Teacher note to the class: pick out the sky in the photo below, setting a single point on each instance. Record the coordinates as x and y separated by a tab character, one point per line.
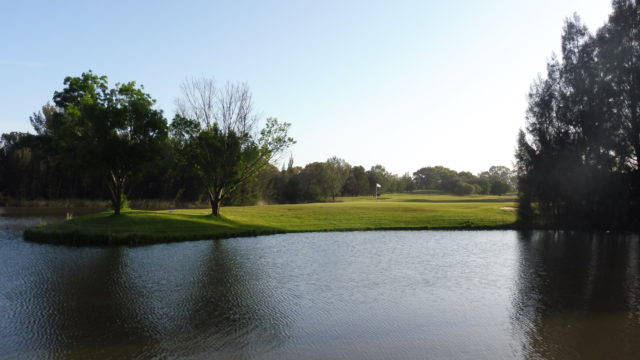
405	84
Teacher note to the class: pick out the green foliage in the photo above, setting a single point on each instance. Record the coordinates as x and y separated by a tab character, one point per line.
378	174
314	183
463	188
337	172
219	159
404	184
484	186
500	174
111	133
499	187
464	182
227	162
124	203
357	183
578	157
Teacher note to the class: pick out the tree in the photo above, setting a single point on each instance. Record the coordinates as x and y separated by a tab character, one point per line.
577	158
112	133
14	162
357	183
291	183
426	178
405	183
499	172
463	188
618	43
314	182
500	180
499	187
439	178
378	174
218	127
337	173
42	121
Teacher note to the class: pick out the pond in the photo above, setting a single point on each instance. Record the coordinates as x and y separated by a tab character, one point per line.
345	295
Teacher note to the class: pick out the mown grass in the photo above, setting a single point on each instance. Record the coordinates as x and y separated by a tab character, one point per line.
390	211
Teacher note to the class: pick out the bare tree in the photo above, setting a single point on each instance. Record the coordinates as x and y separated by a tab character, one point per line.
234	109
231	107
198	100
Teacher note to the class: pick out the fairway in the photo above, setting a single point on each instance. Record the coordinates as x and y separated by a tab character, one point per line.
390	211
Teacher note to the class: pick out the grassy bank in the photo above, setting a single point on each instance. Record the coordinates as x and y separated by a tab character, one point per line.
146	204
392	211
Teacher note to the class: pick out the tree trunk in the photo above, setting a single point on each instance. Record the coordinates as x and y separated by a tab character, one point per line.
116	198
215	204
635	131
116	188
116	204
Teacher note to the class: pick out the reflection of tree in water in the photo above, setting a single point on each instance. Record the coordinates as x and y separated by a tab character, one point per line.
123	303
230	307
577	295
83	307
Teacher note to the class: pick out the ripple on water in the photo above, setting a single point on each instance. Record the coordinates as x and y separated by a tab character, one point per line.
388	294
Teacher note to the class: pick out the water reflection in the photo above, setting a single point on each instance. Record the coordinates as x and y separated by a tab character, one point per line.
578	295
197	299
225	305
352	295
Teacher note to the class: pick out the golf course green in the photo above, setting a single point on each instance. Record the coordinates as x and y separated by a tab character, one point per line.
418	210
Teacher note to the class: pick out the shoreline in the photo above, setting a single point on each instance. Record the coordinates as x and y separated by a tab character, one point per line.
79	238
395	212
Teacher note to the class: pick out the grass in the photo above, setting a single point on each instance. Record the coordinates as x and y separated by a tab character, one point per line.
390	211
147	204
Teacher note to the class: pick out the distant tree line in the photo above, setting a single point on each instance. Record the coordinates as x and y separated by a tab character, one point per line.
498	180
97	142
578	156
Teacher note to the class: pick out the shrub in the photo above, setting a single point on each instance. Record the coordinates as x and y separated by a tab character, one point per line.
499	187
463	188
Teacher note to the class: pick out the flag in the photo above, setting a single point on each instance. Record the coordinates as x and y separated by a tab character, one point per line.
378	185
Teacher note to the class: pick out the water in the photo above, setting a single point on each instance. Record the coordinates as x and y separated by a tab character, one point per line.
352	295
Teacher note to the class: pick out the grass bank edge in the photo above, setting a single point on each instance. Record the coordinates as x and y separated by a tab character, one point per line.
79	237
396	212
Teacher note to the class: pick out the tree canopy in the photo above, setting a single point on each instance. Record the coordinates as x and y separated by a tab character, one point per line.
577	158
112	132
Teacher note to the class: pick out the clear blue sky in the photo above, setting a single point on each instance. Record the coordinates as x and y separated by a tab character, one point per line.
402	83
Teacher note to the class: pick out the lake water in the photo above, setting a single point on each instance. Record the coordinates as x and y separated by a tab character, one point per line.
351	295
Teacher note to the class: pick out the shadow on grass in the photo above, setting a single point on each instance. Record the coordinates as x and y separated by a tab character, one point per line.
133	228
428	192
142	227
506	200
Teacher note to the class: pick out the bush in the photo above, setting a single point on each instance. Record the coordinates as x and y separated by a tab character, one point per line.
499	187
463	188
485	187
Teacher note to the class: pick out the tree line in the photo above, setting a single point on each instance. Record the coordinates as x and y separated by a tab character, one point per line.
97	142
577	158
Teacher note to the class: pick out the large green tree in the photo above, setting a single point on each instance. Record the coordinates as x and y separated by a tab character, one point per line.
114	133
577	158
